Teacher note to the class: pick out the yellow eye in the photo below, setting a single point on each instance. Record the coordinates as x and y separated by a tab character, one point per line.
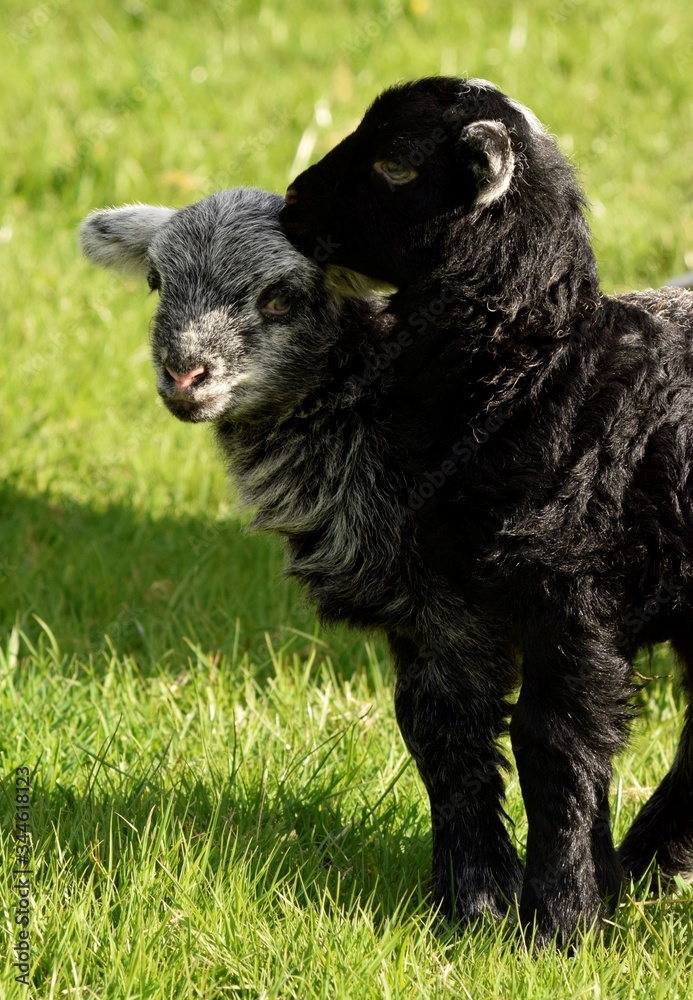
279	305
395	172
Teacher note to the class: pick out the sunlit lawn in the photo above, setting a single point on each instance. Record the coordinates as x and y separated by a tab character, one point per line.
222	804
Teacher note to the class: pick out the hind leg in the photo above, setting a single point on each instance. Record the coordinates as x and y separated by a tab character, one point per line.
663	829
568	722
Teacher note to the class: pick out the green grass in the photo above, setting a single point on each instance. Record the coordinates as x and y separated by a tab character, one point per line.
222	805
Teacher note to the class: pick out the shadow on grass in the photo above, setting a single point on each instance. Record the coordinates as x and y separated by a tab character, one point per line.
118	578
295	844
299	842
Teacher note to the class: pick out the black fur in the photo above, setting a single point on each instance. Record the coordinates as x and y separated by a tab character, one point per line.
544	432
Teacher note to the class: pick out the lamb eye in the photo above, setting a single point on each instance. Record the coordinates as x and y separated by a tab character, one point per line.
395	172
153	279
276	304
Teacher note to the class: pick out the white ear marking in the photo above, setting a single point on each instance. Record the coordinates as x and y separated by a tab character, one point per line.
494	163
534	123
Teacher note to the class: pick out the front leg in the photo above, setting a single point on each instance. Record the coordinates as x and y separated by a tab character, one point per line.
569	721
451	709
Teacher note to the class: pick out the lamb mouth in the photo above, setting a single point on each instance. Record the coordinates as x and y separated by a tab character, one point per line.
191	410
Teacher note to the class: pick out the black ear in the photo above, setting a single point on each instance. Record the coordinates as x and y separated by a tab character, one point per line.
486	149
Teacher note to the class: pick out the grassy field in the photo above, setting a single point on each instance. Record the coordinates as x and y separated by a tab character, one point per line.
221	804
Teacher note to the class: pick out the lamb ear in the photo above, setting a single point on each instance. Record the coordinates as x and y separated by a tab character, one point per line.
485	146
119	238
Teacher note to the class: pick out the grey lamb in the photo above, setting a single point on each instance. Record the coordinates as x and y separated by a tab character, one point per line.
253	336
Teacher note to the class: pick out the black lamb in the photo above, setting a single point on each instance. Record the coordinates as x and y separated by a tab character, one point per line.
545	434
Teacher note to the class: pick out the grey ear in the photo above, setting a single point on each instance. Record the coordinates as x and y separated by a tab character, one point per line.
119	238
487	149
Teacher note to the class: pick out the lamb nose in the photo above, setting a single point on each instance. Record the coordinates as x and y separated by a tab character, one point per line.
291	196
184	382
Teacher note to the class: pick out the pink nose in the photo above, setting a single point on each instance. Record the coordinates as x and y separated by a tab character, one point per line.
184	382
291	196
